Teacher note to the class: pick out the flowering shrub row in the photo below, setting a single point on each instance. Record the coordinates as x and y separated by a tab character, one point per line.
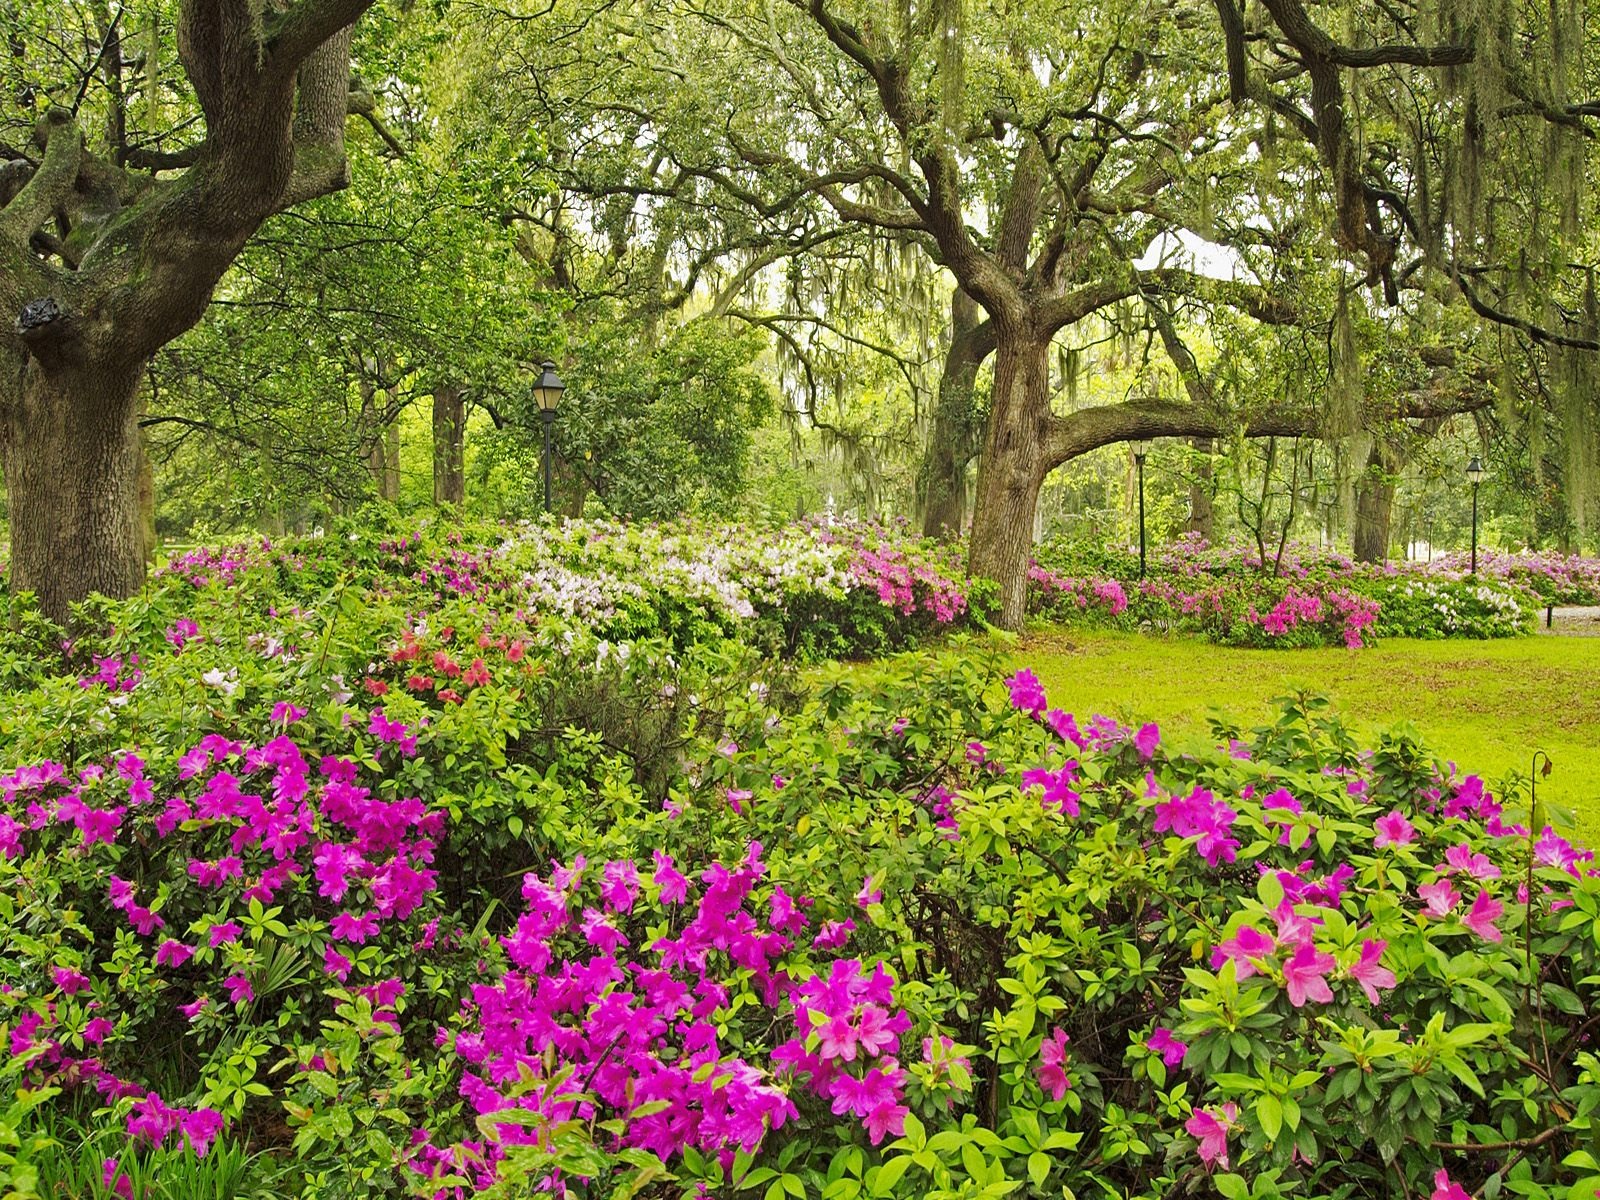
1310	597
414	888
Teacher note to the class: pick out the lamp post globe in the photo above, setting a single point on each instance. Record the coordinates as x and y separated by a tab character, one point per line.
547	391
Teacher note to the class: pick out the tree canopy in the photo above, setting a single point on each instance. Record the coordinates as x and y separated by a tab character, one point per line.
916	257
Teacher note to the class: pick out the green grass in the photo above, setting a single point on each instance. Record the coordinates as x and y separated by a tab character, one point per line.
1485	705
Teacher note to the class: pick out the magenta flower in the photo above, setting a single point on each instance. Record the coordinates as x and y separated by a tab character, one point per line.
193	1009
1027	693
223	933
354	927
674	887
1369	971
1170	1048
70	982
200	1129
173	953
1393	830
1440	897
97	1030
1444	1188
114	1180
1244	949
1052	1069
869	894
239	989
1304	975
1211	1128
1463	858
1058	793
1147	739
620	885
1200	815
833	934
1482	916
335	964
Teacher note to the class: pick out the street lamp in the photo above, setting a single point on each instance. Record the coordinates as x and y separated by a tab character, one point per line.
547	391
1475	473
1140	448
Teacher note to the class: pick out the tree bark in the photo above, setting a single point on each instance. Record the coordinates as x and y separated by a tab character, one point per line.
70	444
956	433
1202	492
1015	462
449	446
1374	507
391	462
135	267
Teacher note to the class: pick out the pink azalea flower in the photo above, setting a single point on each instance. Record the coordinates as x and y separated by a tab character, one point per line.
97	1030
223	933
1027	693
1243	949
1464	858
1482	916
1440	897
1369	971
239	989
1052	1069
192	1010
1147	739
1393	830
1170	1048
833	934
674	887
1211	1128
200	1129
70	982
115	1181
172	953
1304	975
1444	1188
869	895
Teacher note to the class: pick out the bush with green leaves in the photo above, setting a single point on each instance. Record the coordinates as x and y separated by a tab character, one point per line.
350	857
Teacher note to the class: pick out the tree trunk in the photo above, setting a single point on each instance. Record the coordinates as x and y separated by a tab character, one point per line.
391	462
1374	508
70	443
1202	492
1013	468
449	446
942	481
147	485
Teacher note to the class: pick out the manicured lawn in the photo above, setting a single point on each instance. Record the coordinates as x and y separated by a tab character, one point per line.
1486	705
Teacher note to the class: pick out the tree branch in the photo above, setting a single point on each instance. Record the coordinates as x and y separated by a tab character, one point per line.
44	193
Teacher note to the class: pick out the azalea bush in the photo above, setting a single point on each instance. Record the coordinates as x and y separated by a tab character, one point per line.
1306	597
359	862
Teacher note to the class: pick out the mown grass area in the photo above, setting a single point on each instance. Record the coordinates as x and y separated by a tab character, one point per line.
1485	705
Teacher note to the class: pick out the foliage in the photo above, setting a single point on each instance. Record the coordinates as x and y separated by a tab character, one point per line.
1303	597
648	914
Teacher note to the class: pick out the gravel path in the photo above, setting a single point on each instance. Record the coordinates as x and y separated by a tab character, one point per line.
1572	621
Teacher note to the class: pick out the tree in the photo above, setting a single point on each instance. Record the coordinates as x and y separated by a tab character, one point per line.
110	249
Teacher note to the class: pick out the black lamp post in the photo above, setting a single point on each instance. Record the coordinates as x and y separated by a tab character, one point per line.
1475	473
547	391
1140	448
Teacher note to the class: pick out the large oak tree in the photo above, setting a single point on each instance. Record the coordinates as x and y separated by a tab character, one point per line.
110	249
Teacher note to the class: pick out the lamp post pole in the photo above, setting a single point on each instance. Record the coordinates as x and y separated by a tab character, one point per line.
1140	449
548	415
547	391
1475	474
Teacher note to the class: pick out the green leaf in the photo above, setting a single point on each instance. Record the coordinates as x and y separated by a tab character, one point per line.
1269	1111
884	1179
